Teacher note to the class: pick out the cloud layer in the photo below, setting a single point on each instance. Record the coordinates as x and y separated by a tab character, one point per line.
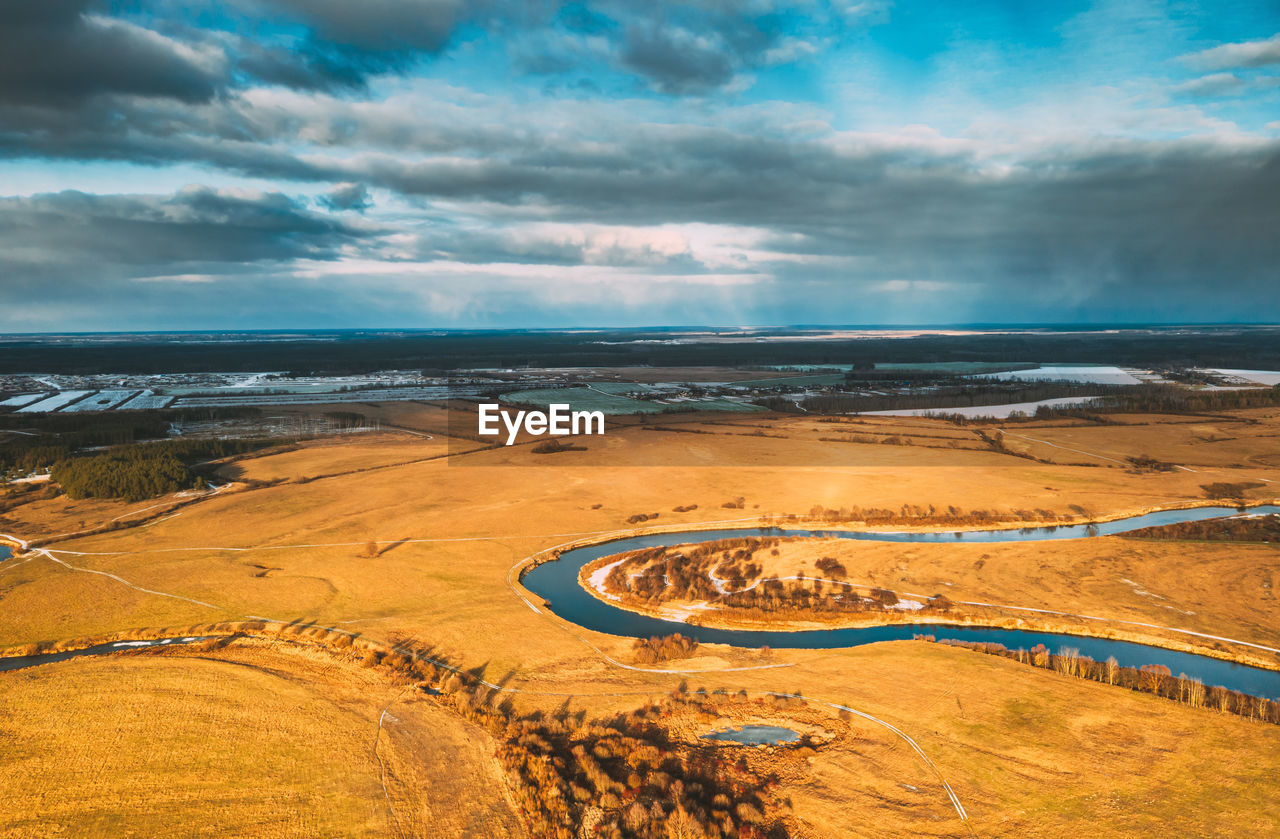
443	163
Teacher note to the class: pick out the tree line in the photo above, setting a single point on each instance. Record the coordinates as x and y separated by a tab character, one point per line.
145	470
1150	678
37	441
615	777
1167	399
806	599
340	353
929	514
966	393
1252	529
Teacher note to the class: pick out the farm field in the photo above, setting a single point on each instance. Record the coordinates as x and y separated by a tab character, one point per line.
101	401
54	402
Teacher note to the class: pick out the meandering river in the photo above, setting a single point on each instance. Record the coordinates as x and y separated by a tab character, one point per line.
557	583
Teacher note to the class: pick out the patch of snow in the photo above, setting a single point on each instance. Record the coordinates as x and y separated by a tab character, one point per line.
1261	377
1101	375
995	411
598	576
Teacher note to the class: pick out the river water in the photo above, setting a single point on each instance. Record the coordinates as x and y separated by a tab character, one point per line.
557	583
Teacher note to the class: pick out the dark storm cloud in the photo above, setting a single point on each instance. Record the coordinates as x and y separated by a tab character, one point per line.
115	75
309	69
79	237
387	27
347	43
56	51
63	52
1134	224
1164	219
149	261
676	60
697	47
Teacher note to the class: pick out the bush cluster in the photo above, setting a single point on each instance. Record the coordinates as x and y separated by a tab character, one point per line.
666	648
1253	529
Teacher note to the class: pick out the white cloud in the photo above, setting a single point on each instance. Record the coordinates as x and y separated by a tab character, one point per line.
1243	54
1225	84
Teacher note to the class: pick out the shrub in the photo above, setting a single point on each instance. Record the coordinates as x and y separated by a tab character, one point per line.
1228	490
666	648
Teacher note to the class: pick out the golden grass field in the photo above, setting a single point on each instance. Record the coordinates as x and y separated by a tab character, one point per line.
1029	752
261	740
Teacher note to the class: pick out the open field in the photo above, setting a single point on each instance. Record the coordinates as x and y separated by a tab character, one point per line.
375	451
1039	757
251	740
1241	439
1029	752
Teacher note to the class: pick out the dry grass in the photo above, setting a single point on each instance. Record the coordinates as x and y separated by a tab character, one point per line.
1030	753
337	456
263	741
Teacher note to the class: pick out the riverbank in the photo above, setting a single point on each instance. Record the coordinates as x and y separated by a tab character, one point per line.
1069	629
11	546
797	521
710	618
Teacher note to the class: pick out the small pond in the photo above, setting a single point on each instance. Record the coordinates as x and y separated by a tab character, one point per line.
755	735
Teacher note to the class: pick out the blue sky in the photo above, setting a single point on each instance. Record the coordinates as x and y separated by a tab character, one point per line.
435	163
